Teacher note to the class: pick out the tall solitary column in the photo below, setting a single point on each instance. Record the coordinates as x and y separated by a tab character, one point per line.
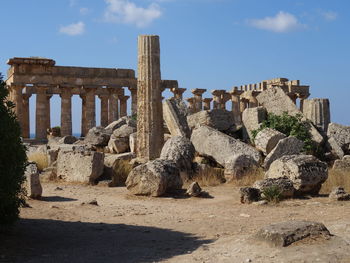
123	105
90	116
198	98
133	91
25	116
113	113
104	109
17	99
41	113
318	111
66	112
150	134
235	108
191	105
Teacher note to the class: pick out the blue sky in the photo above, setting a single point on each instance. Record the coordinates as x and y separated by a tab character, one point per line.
211	44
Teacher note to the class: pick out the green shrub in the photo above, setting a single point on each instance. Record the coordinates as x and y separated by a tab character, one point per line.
272	194
13	161
290	126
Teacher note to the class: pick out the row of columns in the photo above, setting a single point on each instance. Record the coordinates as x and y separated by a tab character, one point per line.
111	110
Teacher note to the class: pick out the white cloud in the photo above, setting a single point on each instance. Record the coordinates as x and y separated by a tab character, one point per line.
84	10
329	15
73	3
73	29
282	22
124	11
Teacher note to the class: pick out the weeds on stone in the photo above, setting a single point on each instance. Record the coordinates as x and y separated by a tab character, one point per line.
272	194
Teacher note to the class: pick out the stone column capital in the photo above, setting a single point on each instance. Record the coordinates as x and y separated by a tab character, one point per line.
206	100
198	92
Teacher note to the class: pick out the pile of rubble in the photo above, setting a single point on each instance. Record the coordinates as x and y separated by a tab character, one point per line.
213	135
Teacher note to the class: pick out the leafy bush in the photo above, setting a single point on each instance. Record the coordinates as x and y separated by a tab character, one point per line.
290	126
272	194
13	161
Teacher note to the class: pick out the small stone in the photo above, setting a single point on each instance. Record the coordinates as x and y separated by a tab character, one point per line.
194	189
244	215
249	195
58	188
339	194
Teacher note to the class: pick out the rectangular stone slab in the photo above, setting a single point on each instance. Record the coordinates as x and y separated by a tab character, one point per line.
285	233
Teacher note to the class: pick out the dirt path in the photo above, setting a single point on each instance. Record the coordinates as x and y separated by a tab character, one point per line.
125	228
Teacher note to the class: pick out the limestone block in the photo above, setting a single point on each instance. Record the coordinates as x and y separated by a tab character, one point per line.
69	139
175	115
113	160
154	178
252	119
194	190
339	194
219	146
336	150
287	146
52	155
80	166
179	150
318	111
285	233
238	166
124	131
249	195
284	184
305	171
267	139
118	123
97	136
218	119
341	134
343	164
276	101
118	145
33	185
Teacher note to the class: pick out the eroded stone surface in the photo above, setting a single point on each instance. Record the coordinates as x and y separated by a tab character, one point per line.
249	195
285	233
33	185
284	184
341	135
305	171
238	166
343	164
252	119
175	116
267	139
339	194
287	146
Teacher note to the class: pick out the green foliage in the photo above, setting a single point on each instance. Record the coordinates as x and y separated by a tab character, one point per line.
134	117
272	194
290	126
13	161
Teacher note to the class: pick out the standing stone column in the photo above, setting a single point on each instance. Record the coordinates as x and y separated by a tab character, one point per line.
104	109
242	105
25	116
198	98
123	105
224	98
90	111
48	108
206	103
217	98
178	92
191	105
66	112
113	105
41	113
133	91
83	110
235	107
17	99
318	111
150	134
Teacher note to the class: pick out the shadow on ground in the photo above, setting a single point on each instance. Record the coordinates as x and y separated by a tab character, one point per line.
57	199
40	240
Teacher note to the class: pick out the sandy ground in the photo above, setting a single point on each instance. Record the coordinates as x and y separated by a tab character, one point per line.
63	227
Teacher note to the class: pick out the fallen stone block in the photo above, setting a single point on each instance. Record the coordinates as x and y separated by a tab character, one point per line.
80	166
252	119
249	195
119	123
343	164
335	148
267	139
97	136
284	184
305	171
68	139
287	146
340	134
112	168
179	150
175	116
118	145
194	190
154	178
238	166
219	146
221	120
339	194
286	233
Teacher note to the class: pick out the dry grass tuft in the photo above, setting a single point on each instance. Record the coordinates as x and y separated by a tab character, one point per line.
40	159
249	179
210	176
336	178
